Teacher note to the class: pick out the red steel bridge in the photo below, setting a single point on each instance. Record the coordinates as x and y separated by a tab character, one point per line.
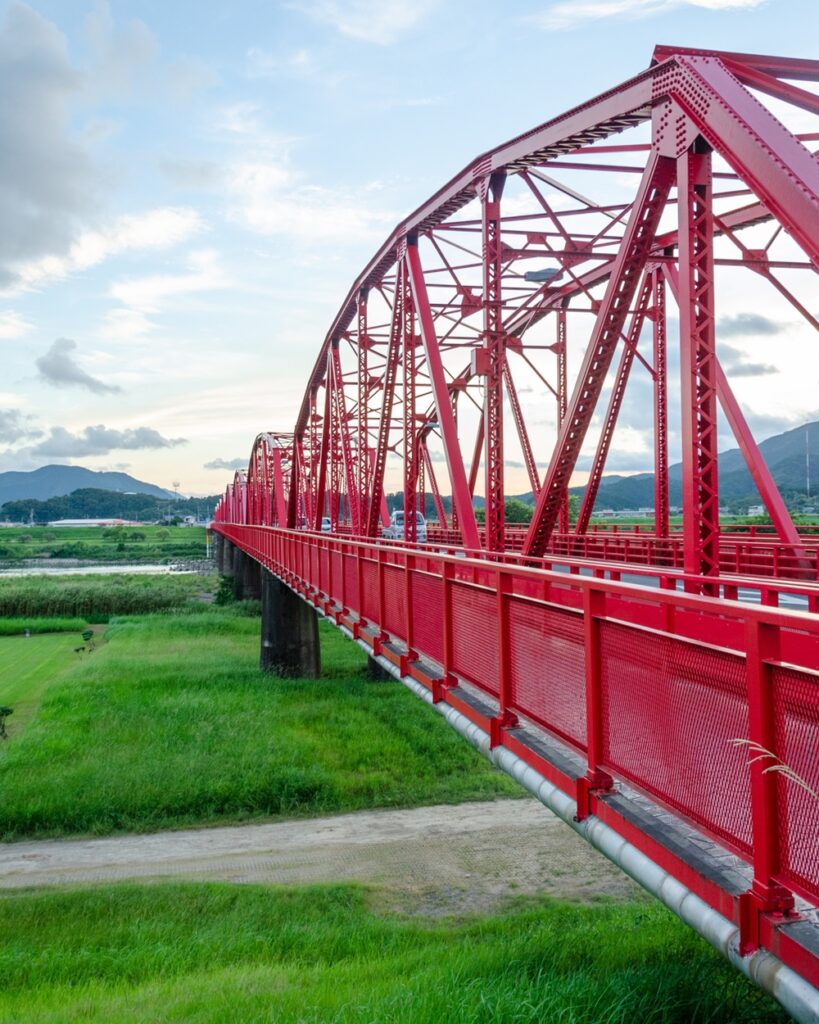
656	688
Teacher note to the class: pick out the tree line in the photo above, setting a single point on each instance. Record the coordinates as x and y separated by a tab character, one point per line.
93	503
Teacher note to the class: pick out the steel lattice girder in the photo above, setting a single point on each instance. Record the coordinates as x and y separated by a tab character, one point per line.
476	305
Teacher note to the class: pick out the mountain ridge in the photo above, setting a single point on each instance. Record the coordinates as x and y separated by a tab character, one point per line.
55	481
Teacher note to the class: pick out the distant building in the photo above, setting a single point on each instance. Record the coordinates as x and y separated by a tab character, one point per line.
91	522
756	510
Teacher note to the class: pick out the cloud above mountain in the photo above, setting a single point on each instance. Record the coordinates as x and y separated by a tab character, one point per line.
59	368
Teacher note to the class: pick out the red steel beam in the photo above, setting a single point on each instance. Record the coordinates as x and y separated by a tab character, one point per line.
660	353
615	403
698	388
626	270
461	497
495	352
380	459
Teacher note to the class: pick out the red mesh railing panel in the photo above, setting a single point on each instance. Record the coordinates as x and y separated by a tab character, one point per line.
395	605
671	710
427	605
548	667
369	591
351	584
475	636
796	723
337	565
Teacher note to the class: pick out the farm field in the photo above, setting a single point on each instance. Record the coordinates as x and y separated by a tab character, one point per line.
133	544
28	666
170	723
209	953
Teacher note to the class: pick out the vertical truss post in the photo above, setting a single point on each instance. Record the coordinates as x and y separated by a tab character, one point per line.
280	508
698	364
562	402
325	454
387	399
461	498
344	438
494	338
453	511
660	361
411	453
363	343
334	448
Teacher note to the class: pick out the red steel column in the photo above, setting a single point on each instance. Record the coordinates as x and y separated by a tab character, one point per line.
562	404
494	346
390	375
461	498
410	447
660	406
363	343
698	365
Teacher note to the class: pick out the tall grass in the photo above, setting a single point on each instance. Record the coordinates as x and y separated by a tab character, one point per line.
97	597
171	723
215	953
18	627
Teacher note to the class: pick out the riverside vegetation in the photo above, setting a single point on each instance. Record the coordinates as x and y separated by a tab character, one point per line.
156	545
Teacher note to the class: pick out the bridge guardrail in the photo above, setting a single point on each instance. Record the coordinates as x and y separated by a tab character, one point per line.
652	686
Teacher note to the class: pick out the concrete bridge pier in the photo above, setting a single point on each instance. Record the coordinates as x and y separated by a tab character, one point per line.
252	579
240	560
228	551
219	552
290	636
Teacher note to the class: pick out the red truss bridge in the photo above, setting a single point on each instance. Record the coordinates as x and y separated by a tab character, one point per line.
657	689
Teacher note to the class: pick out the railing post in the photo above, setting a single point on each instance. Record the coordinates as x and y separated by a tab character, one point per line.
595	778
440	687
766	895
506	718
409	562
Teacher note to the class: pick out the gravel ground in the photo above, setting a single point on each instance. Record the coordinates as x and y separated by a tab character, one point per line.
431	860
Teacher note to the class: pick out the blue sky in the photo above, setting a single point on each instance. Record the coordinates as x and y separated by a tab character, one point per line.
190	189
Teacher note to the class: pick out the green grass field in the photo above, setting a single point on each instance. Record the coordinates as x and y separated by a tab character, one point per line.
171	723
207	954
28	666
138	544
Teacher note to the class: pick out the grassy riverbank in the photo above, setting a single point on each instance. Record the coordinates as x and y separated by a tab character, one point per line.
171	723
212	953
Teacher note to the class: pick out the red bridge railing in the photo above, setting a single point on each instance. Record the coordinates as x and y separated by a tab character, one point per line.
662	690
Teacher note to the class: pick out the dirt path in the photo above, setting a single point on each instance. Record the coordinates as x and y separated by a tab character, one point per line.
430	859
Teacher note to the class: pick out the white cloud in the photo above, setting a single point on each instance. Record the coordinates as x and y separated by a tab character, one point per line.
144	297
264	198
13	325
156	229
373	21
571	13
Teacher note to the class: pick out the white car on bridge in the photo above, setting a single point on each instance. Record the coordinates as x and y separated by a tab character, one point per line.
396	529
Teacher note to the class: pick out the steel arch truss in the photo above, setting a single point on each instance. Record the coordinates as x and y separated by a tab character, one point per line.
554	258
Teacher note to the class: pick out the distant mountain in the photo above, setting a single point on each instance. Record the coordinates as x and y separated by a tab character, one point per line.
55	481
784	455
